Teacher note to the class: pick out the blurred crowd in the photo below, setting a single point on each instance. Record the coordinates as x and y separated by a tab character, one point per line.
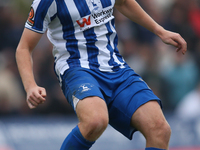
172	76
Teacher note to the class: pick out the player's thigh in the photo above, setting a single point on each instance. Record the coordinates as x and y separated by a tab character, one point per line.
93	109
147	117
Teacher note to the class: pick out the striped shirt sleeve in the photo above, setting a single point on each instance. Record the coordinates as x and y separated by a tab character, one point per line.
40	15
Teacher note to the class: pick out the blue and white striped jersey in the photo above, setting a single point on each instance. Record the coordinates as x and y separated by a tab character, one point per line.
82	33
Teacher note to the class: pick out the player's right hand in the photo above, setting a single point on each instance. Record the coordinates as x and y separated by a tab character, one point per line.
35	96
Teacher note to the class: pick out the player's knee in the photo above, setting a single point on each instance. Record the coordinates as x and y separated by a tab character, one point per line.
98	123
158	134
161	130
166	131
96	126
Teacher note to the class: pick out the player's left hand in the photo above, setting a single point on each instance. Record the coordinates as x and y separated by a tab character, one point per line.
174	39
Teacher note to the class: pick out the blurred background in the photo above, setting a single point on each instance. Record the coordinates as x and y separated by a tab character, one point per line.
172	76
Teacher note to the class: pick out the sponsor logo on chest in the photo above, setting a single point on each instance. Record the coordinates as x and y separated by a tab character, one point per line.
97	17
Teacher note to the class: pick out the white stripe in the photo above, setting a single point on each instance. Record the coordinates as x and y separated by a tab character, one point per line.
104	53
82	50
112	37
59	51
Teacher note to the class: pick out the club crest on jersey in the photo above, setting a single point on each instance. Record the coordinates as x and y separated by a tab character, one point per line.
95	6
30	20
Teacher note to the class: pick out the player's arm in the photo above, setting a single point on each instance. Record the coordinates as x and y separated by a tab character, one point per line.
132	10
35	94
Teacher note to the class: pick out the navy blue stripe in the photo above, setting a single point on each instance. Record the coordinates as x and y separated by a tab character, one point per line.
111	62
106	3
68	33
92	50
41	13
82	7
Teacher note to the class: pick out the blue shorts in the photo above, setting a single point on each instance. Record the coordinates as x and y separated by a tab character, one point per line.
123	91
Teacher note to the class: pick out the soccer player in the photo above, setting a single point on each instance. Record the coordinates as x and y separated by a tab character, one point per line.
94	77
